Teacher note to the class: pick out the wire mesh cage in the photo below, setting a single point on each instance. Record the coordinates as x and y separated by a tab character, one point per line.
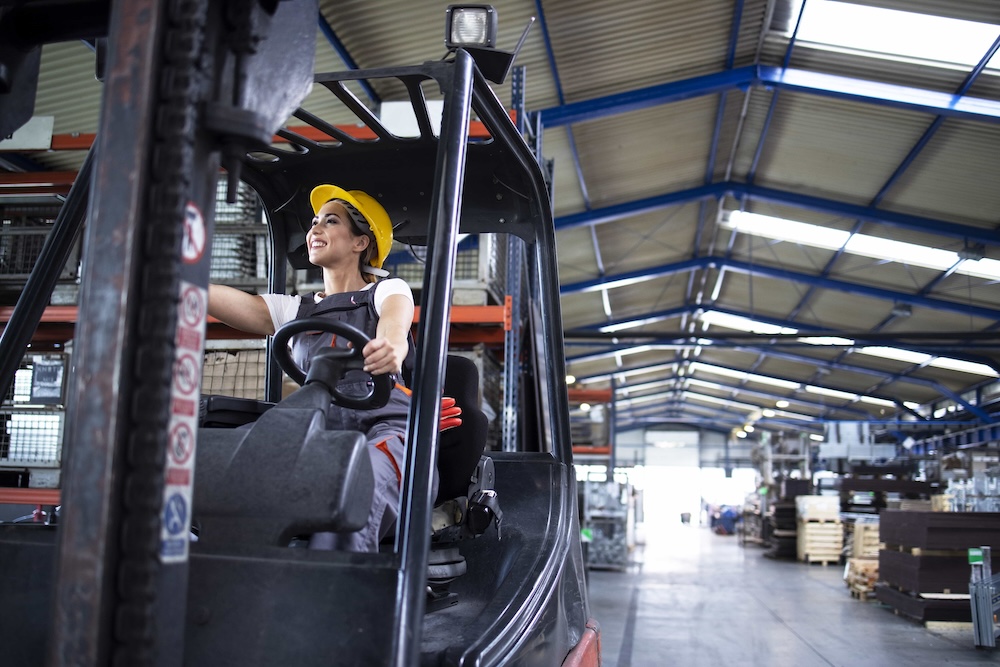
31	437
480	269
240	246
234	372
32	419
23	230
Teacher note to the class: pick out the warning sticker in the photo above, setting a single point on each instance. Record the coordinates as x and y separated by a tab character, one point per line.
181	443
175	532
187	374
195	234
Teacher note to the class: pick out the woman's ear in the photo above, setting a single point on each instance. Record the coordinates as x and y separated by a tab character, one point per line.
361	242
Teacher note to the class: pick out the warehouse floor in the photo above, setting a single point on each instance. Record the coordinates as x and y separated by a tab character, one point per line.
692	598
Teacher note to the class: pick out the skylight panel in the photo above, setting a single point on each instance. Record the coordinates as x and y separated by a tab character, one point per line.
875	247
742	375
895	251
897	354
911	357
741	323
895	35
782	229
689	395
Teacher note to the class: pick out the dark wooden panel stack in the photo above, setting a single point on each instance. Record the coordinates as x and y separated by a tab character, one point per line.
923	568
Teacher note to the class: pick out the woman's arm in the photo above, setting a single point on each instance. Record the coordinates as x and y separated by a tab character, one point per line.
246	312
385	353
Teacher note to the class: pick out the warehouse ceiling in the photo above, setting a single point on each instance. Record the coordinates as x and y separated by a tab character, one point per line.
684	137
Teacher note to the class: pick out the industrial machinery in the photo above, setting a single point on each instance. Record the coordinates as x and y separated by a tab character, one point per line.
189	87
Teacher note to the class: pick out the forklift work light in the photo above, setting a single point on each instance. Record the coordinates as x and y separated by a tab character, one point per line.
470	25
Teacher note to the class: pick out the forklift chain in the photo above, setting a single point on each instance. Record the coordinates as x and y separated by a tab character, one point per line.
170	169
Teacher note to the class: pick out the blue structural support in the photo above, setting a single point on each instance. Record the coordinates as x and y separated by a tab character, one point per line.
974	436
650	273
807	202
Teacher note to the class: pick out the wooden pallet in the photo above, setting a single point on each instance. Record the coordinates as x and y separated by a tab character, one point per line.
824	558
862	593
820	541
865	541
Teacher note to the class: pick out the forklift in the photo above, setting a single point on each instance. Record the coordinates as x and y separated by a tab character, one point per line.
175	539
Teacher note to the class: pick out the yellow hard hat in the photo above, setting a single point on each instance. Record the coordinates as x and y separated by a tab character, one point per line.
374	215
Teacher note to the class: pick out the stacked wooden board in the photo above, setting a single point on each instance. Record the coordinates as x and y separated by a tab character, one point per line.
923	569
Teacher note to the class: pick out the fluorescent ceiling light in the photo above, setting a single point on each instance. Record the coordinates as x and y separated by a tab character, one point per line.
827	340
865	245
796	415
894	35
878	401
833	393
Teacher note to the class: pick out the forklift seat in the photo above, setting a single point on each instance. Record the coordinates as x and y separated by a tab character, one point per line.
460	447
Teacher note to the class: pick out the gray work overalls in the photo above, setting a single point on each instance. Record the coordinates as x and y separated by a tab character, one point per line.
384	428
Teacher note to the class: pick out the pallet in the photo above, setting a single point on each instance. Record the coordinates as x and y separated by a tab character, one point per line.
865	540
822	558
862	593
820	540
923	609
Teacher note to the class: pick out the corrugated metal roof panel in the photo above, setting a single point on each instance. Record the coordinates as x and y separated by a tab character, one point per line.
646	152
603	48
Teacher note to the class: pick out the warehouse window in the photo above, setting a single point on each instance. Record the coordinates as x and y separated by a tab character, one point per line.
890	34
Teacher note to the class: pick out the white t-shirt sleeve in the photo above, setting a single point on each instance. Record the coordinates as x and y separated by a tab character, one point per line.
282	307
388	287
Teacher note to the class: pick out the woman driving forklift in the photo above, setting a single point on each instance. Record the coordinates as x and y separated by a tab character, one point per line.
349	239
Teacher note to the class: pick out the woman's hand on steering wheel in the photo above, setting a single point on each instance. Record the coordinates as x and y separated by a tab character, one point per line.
351	358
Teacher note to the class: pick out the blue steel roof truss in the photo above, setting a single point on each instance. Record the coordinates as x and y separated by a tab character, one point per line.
940	105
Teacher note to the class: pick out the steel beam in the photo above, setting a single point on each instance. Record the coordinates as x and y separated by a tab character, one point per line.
815	83
701	263
944	228
883	94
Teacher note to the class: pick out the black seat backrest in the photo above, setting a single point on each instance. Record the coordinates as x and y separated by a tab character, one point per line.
461	446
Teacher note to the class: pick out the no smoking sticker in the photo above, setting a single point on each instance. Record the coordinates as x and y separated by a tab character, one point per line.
187	374
193	246
181	443
192	310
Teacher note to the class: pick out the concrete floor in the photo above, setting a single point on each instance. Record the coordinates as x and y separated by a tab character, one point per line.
692	598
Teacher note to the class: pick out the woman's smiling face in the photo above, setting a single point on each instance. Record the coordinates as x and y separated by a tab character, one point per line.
331	237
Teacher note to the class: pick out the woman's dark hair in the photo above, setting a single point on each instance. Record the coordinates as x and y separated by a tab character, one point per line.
369	253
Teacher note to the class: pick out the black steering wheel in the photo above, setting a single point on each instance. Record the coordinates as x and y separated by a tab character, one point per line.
338	360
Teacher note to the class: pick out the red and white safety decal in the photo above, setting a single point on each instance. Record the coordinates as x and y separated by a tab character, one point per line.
175	524
195	234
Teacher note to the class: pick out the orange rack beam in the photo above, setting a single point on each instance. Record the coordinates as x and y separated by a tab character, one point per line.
12	496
